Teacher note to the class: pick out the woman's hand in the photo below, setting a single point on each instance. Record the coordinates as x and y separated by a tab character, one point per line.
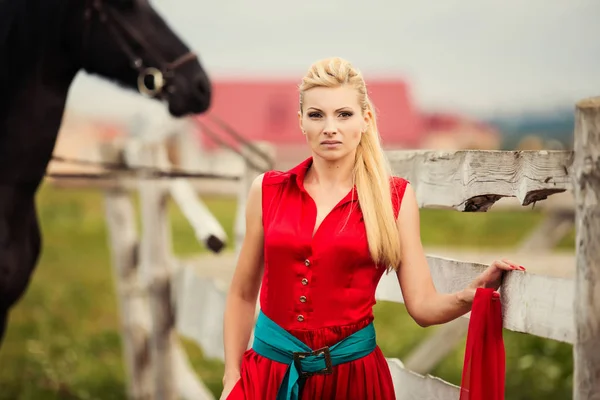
490	278
229	382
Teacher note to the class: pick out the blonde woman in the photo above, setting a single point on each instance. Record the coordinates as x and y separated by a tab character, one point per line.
318	239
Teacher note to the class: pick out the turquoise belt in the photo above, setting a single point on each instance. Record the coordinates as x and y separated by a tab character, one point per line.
277	344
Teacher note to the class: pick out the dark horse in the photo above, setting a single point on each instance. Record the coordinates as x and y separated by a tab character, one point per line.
43	44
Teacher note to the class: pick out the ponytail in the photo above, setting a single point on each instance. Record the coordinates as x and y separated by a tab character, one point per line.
372	175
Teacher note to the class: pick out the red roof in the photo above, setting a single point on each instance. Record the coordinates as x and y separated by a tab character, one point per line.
444	122
267	110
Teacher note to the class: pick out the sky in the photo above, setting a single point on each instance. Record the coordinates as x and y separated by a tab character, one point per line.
475	57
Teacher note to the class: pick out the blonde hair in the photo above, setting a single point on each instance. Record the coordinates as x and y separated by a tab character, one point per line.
372	171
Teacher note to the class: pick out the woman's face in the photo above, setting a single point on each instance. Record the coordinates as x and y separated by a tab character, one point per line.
332	121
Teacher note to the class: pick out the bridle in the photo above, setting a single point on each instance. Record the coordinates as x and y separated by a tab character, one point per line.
120	30
116	25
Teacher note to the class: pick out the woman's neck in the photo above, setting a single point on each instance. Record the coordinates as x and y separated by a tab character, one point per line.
331	173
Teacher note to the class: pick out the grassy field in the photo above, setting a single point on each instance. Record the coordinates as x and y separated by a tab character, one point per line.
63	340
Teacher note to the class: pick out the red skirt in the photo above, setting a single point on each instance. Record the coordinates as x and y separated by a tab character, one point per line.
367	378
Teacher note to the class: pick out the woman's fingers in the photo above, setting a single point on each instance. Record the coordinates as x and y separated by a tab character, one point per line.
501	264
508	265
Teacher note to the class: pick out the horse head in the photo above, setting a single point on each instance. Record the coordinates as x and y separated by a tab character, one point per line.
129	42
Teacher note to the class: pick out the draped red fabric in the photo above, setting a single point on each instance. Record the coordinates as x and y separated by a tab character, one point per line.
484	363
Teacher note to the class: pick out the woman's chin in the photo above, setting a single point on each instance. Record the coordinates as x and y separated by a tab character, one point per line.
332	154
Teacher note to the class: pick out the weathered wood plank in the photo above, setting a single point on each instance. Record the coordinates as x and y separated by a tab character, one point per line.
473	180
515	293
586	384
535	304
560	264
207	228
409	385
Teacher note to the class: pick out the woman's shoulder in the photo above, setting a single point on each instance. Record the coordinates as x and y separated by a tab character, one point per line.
275	177
398	184
398	189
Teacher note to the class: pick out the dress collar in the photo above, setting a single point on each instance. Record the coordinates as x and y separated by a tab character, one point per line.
299	172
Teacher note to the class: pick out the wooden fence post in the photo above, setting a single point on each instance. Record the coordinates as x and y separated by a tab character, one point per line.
131	298
134	313
155	270
586	166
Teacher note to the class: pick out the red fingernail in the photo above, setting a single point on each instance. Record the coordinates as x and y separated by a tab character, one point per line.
522	267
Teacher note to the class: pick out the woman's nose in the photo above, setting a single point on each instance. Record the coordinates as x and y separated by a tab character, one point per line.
330	128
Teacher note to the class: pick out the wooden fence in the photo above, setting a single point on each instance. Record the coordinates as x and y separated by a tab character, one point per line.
160	294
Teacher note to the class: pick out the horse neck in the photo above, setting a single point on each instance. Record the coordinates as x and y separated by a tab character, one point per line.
38	77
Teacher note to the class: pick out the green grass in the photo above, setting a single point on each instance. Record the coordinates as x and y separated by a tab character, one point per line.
63	340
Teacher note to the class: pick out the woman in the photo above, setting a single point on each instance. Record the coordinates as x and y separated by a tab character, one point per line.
318	239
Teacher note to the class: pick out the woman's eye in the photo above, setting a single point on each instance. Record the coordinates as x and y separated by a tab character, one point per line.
314	115
346	114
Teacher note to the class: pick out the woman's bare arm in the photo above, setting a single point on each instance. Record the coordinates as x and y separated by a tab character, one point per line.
243	291
425	305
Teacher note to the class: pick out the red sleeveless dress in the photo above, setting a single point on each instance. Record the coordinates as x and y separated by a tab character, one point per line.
321	289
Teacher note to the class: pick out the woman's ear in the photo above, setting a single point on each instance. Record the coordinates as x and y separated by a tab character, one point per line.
300	122
366	120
